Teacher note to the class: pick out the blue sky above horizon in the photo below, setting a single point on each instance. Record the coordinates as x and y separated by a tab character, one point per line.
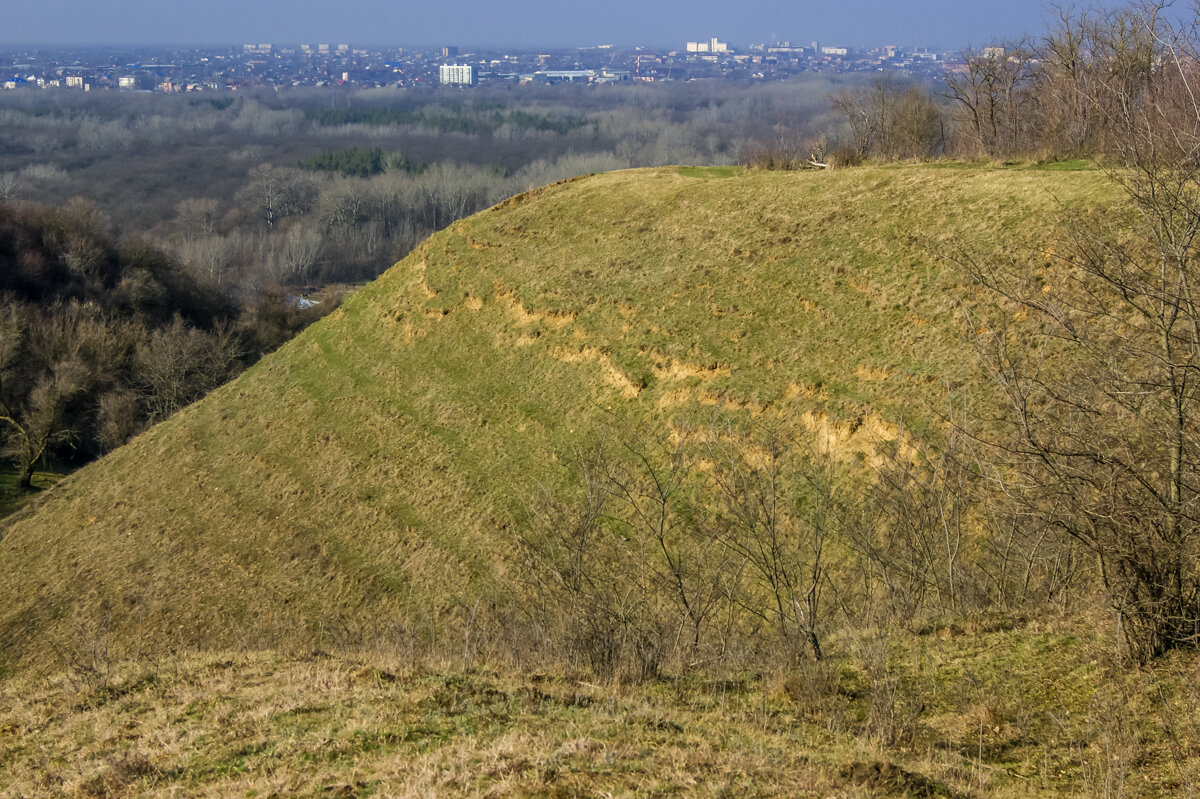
517	23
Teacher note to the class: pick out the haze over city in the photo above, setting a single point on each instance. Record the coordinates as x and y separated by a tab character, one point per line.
520	23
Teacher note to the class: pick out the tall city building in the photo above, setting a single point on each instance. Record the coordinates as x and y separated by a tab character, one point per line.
711	46
456	75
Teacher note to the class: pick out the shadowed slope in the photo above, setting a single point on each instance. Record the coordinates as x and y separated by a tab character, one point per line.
358	485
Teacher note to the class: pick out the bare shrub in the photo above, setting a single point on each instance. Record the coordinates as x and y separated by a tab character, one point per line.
893	709
891	119
1106	761
119	418
778	516
179	364
651	560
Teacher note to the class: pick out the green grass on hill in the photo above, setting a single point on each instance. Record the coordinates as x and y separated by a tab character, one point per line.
359	491
709	171
361	484
1068	165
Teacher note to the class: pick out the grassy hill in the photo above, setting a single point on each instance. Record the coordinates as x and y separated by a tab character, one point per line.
360	484
300	585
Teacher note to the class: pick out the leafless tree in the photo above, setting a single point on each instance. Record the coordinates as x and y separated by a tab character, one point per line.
178	364
44	366
993	97
890	119
1098	438
301	248
779	515
1065	82
211	258
10	185
275	193
80	238
197	217
120	417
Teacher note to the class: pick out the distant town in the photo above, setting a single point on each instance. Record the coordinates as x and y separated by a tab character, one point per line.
264	64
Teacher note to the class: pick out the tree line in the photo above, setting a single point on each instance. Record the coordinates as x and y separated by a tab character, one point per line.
1042	98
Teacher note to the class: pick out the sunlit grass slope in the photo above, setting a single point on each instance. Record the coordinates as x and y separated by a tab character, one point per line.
1008	714
360	484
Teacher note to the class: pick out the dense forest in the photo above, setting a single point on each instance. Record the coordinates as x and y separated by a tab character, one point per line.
323	186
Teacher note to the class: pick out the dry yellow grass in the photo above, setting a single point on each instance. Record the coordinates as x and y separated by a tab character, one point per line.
267	726
356	492
359	485
1039	710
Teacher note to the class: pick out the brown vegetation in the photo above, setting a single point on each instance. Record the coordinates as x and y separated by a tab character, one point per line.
1096	443
98	339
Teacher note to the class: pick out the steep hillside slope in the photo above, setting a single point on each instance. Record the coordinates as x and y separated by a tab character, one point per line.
359	485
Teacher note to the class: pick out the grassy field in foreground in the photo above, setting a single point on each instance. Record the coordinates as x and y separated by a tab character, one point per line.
1032	711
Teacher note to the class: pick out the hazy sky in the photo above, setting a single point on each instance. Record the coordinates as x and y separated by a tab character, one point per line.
949	23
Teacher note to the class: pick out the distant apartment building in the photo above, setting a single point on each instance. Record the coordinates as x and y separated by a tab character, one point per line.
838	51
576	76
456	75
779	47
711	46
139	82
74	81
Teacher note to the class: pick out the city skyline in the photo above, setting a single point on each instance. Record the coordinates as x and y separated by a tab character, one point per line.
521	23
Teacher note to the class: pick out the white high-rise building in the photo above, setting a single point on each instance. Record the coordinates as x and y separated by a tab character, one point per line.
711	46
456	75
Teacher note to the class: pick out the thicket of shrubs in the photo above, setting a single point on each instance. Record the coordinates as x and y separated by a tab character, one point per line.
100	337
723	546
